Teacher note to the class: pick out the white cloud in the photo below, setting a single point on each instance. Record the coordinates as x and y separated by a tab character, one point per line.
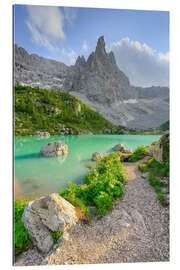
70	14
67	56
46	25
164	57
39	38
47	21
85	47
140	63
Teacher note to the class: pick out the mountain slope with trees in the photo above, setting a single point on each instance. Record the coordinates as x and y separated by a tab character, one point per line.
53	111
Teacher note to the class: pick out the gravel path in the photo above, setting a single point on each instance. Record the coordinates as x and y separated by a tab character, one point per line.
136	230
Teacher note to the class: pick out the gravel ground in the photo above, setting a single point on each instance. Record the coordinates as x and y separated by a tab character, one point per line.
136	230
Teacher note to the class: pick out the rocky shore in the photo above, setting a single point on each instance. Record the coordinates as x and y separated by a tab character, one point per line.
136	230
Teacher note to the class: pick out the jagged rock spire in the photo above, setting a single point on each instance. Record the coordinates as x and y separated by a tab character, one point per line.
100	48
80	61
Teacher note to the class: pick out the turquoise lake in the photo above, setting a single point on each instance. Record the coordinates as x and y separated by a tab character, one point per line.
52	174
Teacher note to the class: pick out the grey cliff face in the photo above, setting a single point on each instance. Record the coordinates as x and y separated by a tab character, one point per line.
34	70
99	83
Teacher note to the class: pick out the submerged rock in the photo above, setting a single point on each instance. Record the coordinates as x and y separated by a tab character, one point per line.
29	180
96	156
45	215
54	149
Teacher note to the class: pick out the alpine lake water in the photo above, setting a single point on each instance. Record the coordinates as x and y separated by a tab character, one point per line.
39	175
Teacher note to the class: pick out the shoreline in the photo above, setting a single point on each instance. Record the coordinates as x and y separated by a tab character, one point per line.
18	191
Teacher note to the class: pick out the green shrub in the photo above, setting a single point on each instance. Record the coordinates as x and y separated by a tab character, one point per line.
156	170
55	235
143	168
159	168
154	142
101	186
104	202
160	196
155	182
21	238
139	153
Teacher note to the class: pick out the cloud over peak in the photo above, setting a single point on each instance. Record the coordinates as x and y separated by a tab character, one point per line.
140	63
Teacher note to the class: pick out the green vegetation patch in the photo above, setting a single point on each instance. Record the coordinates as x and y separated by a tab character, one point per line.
101	186
55	235
139	153
21	238
51	111
156	172
165	146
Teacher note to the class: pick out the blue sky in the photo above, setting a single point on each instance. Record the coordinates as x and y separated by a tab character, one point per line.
139	39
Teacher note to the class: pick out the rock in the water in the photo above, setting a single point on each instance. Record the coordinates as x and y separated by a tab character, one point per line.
54	149
120	147
45	215
96	156
42	133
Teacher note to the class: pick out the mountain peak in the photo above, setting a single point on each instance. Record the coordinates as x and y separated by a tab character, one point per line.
100	48
80	61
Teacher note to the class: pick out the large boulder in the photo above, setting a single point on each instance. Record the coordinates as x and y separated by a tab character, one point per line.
54	149
120	147
48	214
96	156
160	151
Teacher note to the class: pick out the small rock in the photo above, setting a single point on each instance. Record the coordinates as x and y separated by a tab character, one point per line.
166	199
29	180
96	156
36	186
120	147
144	175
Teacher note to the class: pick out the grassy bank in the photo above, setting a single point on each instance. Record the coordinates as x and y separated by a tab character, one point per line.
101	186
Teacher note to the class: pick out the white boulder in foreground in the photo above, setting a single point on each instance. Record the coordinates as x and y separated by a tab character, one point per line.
45	215
54	149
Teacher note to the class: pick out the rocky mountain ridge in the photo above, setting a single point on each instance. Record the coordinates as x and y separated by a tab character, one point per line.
99	83
33	70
